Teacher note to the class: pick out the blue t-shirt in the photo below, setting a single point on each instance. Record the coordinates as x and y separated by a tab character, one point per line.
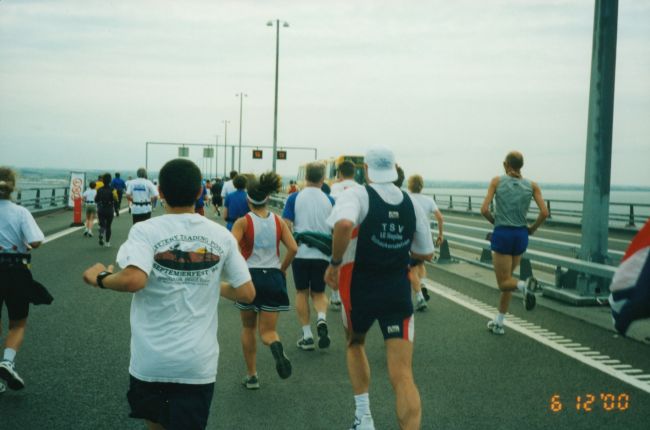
200	202
237	205
118	184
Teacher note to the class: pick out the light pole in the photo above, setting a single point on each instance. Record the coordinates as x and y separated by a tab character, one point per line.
241	105
216	149
275	111
225	145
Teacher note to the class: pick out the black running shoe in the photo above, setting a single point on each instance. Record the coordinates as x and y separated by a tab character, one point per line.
323	334
251	382
282	363
101	240
425	293
11	377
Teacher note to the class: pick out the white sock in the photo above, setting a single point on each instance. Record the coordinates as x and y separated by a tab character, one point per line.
322	316
335	296
10	354
306	332
362	403
521	285
419	295
499	318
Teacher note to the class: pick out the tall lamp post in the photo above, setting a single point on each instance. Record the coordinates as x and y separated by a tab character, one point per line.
225	144
216	156
275	111
241	106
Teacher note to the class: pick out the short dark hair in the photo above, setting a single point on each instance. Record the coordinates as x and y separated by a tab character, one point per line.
259	189
92	185
142	172
315	172
240	182
106	179
400	177
7	182
180	182
346	169
117	174
233	174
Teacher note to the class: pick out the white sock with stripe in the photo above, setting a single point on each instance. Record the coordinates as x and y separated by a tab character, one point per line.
362	404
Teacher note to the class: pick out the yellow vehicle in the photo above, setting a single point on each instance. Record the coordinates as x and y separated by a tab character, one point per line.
330	169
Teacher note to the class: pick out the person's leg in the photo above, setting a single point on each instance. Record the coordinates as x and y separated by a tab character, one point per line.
301	282
16	334
109	223
319	300
248	341
357	361
102	227
399	356
268	323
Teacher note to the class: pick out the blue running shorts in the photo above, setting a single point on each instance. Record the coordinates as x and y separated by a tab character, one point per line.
509	240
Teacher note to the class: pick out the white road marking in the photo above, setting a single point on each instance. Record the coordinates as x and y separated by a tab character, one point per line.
70	230
596	362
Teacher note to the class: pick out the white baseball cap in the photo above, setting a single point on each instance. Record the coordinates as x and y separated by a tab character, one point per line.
381	165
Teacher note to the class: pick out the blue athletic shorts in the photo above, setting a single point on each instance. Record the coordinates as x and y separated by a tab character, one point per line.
174	406
309	273
270	291
509	240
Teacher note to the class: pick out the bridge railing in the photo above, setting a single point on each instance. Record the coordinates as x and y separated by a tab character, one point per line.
627	214
42	199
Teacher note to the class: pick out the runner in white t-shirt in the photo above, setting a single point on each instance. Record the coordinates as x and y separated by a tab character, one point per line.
88	198
229	186
141	194
345	173
418	271
173	264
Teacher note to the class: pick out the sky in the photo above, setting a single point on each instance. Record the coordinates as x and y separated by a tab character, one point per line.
451	87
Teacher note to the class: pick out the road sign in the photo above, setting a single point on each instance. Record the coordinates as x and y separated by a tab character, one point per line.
183	152
208	152
282	155
257	154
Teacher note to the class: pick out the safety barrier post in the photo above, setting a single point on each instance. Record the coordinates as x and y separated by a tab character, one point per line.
76	213
37	204
451	202
469	203
53	200
444	254
525	269
486	254
630	223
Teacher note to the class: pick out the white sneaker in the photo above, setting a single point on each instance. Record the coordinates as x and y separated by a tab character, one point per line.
363	423
421	305
107	244
10	376
495	328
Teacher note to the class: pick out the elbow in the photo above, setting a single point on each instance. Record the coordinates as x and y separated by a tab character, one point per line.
35	244
344	225
485	211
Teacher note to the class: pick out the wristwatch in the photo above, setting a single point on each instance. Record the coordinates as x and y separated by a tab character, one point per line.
335	263
100	278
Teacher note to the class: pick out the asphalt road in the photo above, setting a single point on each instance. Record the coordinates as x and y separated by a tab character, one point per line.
75	359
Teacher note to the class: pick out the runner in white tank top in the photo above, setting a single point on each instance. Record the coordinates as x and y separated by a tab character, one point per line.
259	234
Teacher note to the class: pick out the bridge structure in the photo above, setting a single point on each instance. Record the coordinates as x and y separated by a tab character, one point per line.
558	366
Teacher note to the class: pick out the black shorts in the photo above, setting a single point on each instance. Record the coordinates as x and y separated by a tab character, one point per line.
217	200
141	217
382	297
270	291
309	273
174	406
15	284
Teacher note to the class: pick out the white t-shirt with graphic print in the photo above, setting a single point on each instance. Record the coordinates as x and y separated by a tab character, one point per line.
174	317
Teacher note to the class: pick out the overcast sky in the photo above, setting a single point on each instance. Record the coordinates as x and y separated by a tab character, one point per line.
450	85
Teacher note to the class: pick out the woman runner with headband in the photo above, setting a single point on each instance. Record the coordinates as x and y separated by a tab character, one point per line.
259	234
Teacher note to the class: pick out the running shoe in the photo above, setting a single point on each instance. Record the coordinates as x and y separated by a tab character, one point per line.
90	234
107	244
335	305
306	344
495	328
9	374
425	292
282	363
323	334
363	423
101	240
421	305
86	232
529	296
251	382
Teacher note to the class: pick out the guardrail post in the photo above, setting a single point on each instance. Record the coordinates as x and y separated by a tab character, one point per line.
451	202
548	206
445	255
19	198
630	223
525	269
469	203
37	201
486	254
65	197
53	200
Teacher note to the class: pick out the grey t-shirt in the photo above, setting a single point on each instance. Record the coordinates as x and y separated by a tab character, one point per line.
512	201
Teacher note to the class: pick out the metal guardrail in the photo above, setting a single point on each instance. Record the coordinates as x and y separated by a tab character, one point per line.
41	199
566	248
629	214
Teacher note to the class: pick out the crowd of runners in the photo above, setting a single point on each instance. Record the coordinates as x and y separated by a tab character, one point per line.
368	243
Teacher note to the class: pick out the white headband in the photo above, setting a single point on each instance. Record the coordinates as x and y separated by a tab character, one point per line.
255	202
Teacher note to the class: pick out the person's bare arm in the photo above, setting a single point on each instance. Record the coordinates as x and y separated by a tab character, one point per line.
35	244
543	210
224	213
340	241
291	245
239	228
440	222
485	208
245	293
289	224
129	280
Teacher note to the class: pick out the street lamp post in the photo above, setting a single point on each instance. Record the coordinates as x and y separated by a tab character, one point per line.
216	156
275	111
225	145
241	105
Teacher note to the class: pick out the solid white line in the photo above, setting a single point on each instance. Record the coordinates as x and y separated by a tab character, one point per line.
67	231
457	298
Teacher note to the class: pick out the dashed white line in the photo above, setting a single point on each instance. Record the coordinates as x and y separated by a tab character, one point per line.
590	358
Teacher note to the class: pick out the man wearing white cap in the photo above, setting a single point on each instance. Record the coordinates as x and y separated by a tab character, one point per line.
376	228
